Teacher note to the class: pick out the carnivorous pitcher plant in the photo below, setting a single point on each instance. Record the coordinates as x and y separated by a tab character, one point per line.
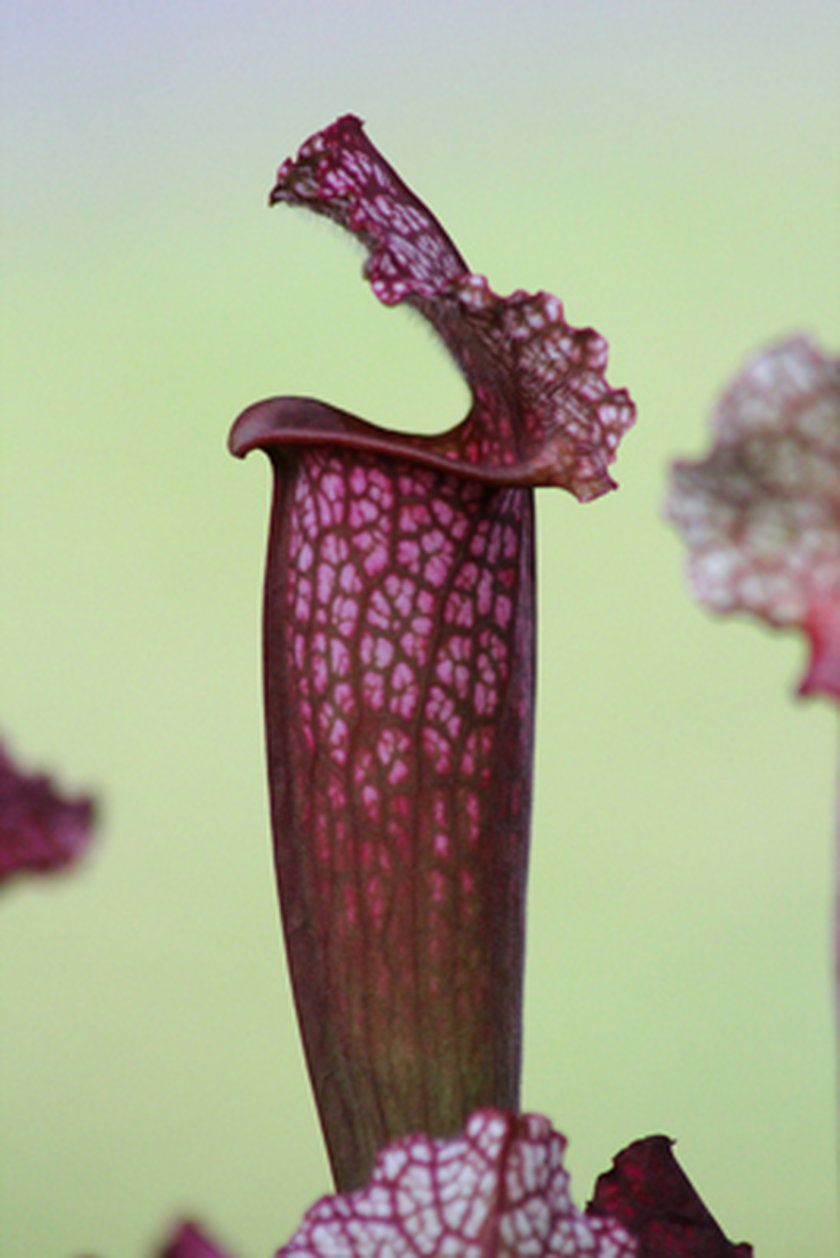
399	675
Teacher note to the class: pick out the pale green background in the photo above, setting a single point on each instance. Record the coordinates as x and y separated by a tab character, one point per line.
670	171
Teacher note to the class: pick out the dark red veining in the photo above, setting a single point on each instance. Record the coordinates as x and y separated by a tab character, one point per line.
499	1190
542	413
399	699
399	677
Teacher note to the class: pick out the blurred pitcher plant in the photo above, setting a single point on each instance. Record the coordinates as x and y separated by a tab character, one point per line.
42	829
761	514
